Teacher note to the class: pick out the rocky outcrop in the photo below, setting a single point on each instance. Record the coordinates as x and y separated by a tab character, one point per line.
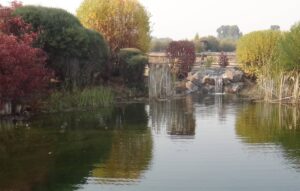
215	80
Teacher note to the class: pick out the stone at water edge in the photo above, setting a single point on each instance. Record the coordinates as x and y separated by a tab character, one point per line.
191	87
233	74
234	88
209	80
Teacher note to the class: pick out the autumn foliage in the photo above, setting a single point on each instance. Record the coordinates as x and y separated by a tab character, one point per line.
22	67
183	56
123	23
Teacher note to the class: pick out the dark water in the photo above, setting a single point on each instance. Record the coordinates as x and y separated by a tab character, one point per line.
211	143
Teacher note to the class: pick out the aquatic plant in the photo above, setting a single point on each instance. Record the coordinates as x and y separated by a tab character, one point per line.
80	99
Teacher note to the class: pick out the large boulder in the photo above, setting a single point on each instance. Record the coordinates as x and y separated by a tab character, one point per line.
191	87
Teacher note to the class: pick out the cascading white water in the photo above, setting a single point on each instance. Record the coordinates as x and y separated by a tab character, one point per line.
218	85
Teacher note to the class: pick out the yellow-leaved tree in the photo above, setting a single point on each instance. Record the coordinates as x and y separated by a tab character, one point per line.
257	52
123	23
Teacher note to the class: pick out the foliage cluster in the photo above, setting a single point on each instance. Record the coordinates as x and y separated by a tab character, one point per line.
41	45
159	44
273	57
231	32
182	55
22	67
132	64
225	42
122	23
75	53
290	49
213	44
257	50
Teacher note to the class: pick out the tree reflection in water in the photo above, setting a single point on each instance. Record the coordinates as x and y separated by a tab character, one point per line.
176	117
271	124
63	151
131	147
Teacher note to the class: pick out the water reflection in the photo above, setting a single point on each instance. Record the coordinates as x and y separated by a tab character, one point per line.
271	124
173	117
61	152
113	149
131	147
217	105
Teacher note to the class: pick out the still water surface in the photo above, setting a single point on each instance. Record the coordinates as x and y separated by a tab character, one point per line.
212	143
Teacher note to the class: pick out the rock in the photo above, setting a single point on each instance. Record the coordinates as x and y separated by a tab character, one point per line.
208	80
226	81
191	87
192	77
237	87
204	80
233	74
180	87
208	89
234	88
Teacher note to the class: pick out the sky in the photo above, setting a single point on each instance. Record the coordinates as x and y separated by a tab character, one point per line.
182	19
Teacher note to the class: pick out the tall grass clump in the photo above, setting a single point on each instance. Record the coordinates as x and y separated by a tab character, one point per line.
80	99
95	97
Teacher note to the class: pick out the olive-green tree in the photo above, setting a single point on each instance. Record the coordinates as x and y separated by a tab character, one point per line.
197	43
124	23
231	32
227	45
290	49
159	44
210	43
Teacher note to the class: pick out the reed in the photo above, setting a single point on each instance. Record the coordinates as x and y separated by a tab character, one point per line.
80	99
281	87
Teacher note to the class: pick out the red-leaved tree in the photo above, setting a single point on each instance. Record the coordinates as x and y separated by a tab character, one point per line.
22	67
182	55
223	60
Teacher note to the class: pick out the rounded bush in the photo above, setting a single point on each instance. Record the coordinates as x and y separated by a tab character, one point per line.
132	63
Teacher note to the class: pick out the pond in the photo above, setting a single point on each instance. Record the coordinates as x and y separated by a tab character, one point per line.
196	143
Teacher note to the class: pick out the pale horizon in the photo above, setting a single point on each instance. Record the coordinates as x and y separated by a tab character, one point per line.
182	19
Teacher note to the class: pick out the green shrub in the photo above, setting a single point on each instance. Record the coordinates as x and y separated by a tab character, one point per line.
210	44
75	53
257	51
132	64
290	49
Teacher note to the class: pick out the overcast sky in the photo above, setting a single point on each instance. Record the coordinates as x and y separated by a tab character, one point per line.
181	19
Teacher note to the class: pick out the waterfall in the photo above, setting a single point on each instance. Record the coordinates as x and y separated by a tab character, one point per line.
218	85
